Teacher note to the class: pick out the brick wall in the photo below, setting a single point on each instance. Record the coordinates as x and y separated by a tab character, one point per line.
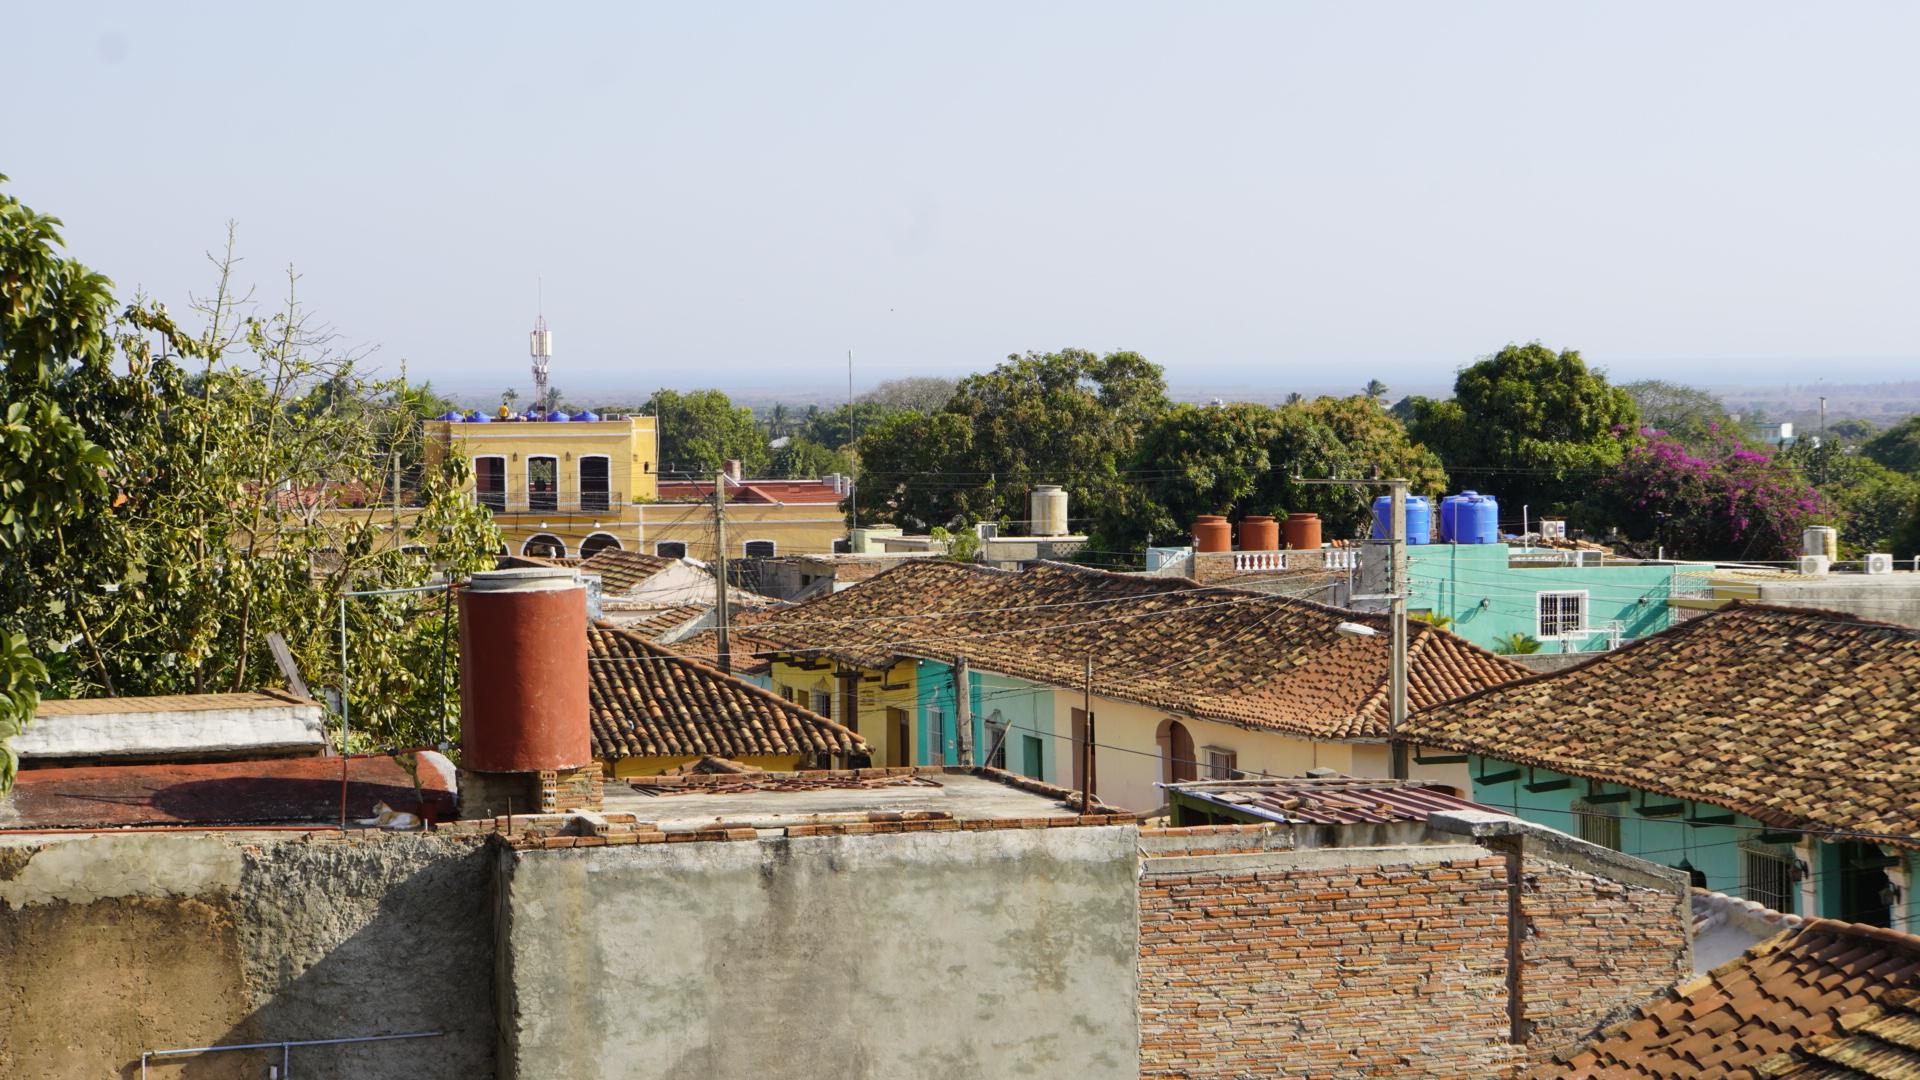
1390	961
1323	971
1596	946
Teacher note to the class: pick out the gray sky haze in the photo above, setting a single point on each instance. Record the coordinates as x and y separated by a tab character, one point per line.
1257	194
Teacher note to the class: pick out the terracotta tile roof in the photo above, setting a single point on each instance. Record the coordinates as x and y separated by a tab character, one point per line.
1827	995
621	570
1222	654
647	701
1796	717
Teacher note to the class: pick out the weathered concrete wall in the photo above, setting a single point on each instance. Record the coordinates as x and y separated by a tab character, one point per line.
112	945
888	957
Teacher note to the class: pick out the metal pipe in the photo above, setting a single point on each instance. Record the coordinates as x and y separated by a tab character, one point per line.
285	1046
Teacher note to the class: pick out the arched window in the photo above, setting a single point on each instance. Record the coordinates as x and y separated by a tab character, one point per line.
1177	762
544	546
759	549
670	549
598	542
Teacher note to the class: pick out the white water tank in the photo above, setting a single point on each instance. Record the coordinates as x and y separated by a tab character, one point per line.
1821	540
1047	510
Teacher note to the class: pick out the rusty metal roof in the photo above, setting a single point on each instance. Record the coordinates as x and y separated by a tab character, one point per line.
1340	800
271	792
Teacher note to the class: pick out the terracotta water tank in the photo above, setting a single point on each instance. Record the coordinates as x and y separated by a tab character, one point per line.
1212	533
1258	532
1303	532
523	672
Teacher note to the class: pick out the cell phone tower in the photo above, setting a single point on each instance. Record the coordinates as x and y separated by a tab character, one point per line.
541	346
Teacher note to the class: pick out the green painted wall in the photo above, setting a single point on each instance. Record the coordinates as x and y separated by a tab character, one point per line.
1026	707
1489	599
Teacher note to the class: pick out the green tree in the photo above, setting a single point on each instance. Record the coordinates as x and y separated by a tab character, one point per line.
1898	447
1375	390
801	459
701	429
916	393
1069	417
244	484
56	342
779	420
1531	425
1872	503
839	427
1517	644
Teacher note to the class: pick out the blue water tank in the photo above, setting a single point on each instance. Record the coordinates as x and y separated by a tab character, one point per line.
586	415
451	417
1470	518
478	417
1419	519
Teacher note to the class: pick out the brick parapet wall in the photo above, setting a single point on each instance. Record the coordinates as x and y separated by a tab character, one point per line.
1350	964
1360	962
1595	947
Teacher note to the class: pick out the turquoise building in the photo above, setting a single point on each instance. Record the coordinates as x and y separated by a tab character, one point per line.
1013	722
1784	869
1490	592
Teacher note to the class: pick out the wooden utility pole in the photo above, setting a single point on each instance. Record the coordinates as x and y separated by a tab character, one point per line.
1396	618
720	568
1086	743
963	708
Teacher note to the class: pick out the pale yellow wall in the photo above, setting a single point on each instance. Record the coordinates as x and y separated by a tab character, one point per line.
654	766
1127	779
874	701
628	445
795	529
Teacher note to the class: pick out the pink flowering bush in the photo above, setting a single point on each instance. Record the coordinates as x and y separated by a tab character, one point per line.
1717	499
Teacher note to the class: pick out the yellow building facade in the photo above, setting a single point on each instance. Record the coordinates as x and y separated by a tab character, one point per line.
878	704
562	487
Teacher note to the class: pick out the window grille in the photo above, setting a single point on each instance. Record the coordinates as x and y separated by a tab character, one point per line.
1767	875
1596	824
1562	614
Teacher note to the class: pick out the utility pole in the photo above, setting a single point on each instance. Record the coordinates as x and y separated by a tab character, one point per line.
853	455
720	567
1823	438
1086	744
1396	618
963	708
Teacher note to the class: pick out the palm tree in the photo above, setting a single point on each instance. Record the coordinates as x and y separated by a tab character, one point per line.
1375	390
510	396
1296	398
1517	644
777	420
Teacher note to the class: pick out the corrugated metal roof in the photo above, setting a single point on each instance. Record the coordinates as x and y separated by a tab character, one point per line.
1343	800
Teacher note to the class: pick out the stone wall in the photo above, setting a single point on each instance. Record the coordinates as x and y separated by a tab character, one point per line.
1379	961
113	945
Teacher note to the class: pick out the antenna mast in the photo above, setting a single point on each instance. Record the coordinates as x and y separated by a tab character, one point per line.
540	344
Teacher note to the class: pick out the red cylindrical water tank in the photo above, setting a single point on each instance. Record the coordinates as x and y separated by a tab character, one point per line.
1212	533
523	672
1258	532
1303	532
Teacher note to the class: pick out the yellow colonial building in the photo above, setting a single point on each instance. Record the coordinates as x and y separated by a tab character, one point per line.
558	486
569	487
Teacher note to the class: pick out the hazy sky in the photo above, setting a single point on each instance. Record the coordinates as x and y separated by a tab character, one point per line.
1273	193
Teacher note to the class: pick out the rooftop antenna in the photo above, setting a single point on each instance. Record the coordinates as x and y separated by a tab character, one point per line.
541	346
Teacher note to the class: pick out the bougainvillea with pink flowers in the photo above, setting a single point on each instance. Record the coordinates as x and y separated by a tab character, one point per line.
1719	498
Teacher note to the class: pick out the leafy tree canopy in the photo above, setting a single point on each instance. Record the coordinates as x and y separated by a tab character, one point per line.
1531	425
701	429
1898	447
919	393
1725	500
1069	417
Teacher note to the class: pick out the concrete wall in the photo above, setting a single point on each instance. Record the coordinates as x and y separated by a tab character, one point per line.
886	957
112	945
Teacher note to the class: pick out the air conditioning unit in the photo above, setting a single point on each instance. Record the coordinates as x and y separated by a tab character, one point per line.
1553	528
1879	562
1813	565
987	530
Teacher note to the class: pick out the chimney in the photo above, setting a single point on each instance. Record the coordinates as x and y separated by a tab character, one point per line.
525	737
733	469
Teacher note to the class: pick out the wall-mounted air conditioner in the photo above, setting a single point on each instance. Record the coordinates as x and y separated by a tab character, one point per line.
986	530
1813	565
1879	563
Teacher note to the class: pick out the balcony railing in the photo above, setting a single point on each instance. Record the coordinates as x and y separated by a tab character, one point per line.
586	502
1327	558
